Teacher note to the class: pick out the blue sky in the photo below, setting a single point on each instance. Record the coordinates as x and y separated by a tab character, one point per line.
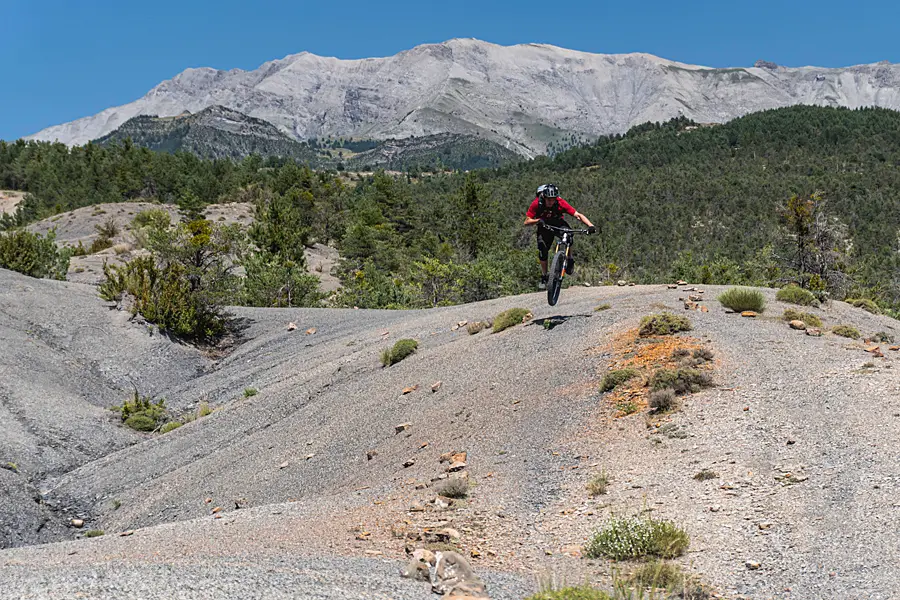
65	59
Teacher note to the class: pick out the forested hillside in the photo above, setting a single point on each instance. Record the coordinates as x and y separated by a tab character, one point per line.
671	200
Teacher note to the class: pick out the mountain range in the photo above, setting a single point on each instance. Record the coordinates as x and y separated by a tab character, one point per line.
524	97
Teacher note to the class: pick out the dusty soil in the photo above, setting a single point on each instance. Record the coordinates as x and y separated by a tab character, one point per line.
9	200
288	468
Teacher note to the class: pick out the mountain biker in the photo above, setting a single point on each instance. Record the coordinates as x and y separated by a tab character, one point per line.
548	207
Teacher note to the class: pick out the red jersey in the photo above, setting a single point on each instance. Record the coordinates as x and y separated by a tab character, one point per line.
549	213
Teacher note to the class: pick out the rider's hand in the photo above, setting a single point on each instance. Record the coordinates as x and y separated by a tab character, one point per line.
592	229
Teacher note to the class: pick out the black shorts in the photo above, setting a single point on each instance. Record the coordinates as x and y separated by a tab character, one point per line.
545	237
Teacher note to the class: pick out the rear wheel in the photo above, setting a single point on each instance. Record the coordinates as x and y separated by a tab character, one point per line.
554	278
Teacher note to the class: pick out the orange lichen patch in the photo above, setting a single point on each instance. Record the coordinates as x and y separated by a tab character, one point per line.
647	355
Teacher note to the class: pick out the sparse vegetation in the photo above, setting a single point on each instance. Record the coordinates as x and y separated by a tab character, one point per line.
865	304
613	379
475	327
250	392
171	425
664	323
455	488
627	407
400	350
706	475
509	318
794	294
792	314
668	576
623	538
572	593
702	355
847	331
662	400
93	533
598	484
740	299
141	413
883	337
681	381
602	307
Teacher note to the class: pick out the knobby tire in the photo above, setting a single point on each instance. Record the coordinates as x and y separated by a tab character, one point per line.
554	281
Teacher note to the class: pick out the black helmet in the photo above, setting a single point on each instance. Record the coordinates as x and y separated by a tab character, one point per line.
548	191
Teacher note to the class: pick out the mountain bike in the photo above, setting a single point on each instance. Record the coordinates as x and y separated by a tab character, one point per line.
561	260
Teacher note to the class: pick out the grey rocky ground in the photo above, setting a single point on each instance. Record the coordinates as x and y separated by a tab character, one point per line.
301	505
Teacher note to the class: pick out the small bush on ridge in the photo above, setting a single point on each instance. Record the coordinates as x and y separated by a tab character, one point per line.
796	295
623	538
598	484
740	299
865	304
665	323
455	488
847	331
681	381
508	318
402	349
792	314
662	400
93	533
613	379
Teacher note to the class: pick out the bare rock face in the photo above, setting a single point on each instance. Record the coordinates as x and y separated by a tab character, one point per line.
467	86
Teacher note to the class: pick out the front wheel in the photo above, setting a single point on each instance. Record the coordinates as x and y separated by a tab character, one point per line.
554	278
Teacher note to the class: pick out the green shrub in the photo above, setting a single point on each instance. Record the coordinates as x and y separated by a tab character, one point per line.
598	484
740	299
152	217
141	413
613	379
662	400
847	331
602	307
164	296
792	314
99	245
681	381
865	304
508	318
625	538
664	323
402	349
796	295
171	425
93	533
33	254
141	422
572	593
248	393
702	355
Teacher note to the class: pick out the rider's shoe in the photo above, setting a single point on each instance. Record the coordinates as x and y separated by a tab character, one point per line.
543	284
570	266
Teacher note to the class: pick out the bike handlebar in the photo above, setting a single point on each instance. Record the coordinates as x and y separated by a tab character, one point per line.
564	229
